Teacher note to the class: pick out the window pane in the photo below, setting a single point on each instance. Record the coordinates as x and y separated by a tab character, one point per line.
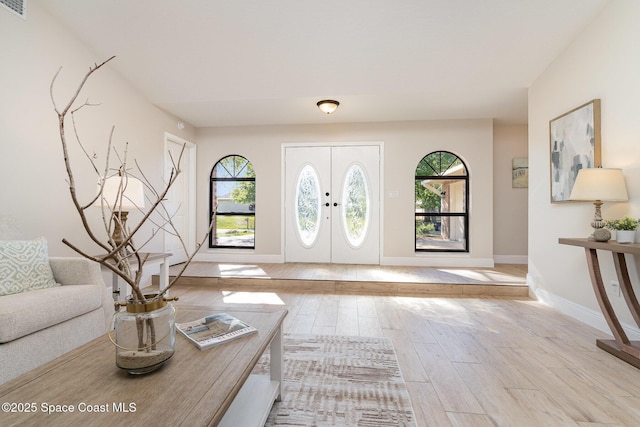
233	167
441	195
440	233
235	230
232	203
441	163
235	196
441	186
308	207
355	201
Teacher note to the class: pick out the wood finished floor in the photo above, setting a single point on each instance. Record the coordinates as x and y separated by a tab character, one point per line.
469	362
502	280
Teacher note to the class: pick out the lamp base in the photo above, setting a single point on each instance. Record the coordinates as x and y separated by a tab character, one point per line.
600	235
119	227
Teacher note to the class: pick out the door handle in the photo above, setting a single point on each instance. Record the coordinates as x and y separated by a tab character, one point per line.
335	204
326	204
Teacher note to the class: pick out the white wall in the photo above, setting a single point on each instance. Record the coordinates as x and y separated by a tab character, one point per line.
510	205
32	173
603	63
35	192
405	143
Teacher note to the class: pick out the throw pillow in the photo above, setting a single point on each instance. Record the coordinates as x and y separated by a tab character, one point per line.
24	266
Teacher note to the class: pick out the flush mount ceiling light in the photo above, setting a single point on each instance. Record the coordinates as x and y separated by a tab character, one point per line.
328	106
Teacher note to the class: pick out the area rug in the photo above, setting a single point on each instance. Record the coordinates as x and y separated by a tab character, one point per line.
340	381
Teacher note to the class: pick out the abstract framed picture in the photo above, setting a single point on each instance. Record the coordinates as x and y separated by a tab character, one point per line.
575	145
520	172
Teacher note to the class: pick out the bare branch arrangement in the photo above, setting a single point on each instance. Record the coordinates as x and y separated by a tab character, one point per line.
119	253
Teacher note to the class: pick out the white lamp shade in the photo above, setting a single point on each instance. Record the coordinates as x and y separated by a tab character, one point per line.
599	184
122	193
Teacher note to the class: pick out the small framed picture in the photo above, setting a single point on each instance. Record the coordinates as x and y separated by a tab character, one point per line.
520	172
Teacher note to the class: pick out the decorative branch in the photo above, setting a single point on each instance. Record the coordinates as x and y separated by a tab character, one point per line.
118	256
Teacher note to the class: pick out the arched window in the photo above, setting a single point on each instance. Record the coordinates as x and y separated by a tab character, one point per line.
232	199
441	209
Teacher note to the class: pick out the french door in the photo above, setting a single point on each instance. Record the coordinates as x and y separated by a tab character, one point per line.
332	198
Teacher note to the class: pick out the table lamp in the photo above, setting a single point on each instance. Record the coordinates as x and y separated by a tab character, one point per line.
120	194
599	185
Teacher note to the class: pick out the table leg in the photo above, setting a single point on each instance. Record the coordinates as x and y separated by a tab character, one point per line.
603	299
164	275
625	285
115	288
621	347
276	361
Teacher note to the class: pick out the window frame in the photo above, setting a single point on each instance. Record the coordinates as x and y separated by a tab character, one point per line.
212	181
465	178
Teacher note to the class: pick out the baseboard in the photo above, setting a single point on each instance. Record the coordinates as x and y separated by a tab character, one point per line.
439	261
511	259
585	315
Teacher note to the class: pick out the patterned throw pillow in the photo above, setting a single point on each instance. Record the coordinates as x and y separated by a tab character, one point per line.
24	266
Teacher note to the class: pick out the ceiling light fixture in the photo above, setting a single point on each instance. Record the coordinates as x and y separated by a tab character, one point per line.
328	106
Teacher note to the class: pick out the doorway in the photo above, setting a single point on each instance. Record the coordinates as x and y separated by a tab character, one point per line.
332	204
180	201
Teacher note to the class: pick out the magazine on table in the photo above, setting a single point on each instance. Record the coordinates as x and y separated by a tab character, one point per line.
214	330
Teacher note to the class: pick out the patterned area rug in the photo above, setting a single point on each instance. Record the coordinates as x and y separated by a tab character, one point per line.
340	381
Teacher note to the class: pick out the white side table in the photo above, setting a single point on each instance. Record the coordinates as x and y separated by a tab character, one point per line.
152	259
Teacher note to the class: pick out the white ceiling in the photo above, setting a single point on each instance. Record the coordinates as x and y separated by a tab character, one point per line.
247	62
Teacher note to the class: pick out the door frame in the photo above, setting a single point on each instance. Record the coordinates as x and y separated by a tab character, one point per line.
283	149
189	158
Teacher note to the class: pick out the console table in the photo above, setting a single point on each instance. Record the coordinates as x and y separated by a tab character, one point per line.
195	387
621	346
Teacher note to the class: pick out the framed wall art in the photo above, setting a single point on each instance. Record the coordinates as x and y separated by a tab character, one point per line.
575	145
520	172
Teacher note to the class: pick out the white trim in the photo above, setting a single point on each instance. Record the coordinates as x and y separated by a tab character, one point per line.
439	261
283	198
511	259
190	157
585	315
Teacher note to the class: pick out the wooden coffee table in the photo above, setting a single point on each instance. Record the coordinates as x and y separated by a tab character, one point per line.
194	388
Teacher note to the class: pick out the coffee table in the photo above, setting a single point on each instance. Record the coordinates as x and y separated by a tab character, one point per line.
194	388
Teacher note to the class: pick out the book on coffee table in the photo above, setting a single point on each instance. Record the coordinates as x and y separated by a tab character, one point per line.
214	330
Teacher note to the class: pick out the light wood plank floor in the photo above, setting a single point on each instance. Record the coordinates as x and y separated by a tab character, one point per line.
502	280
472	361
501	274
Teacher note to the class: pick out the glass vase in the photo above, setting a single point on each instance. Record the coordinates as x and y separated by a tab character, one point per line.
144	335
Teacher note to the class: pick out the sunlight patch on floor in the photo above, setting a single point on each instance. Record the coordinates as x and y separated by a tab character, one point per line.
386	275
233	297
241	270
481	275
